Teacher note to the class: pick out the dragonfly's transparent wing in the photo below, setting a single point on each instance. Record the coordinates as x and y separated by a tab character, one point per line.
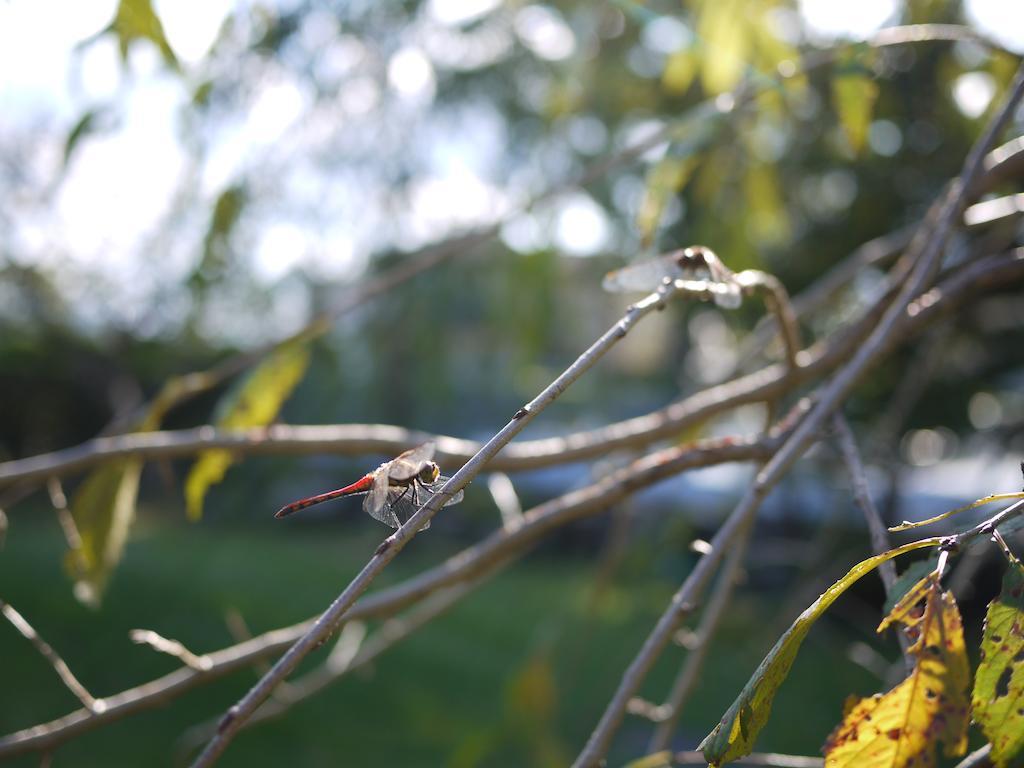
402	503
376	499
434	487
642	276
407	465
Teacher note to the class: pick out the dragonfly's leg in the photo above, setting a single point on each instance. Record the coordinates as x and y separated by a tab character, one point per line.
409	490
417	502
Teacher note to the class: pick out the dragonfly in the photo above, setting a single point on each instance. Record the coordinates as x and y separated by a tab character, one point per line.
394	490
694	263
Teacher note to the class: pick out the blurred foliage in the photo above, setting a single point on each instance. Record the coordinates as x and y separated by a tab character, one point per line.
315	146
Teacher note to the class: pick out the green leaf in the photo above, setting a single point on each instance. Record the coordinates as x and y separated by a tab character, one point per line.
103	509
854	99
226	212
254	403
734	736
86	124
136	20
998	699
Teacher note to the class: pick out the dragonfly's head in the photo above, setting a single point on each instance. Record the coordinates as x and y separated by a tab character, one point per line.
693	260
429	473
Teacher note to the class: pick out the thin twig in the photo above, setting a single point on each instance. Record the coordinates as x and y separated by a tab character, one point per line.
503	492
327	622
876	527
390	634
682	604
923	255
46	651
64	517
173	648
777	301
713	612
862	495
979	758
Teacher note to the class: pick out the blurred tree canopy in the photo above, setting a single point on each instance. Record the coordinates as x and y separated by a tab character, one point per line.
169	212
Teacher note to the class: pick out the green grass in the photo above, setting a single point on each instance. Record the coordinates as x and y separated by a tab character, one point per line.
516	674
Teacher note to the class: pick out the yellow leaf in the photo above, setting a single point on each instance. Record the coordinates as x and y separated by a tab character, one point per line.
854	99
723	28
137	20
998	699
902	727
768	221
103	509
254	404
734	736
680	69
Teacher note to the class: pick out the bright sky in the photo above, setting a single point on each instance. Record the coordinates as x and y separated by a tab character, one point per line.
120	184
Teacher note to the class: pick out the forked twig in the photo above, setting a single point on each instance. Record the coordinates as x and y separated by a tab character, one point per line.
46	651
684	682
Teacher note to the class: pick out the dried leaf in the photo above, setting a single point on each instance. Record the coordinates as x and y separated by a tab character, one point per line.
254	404
734	736
103	509
998	699
902	727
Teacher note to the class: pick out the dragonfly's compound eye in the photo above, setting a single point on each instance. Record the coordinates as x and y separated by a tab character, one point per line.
430	472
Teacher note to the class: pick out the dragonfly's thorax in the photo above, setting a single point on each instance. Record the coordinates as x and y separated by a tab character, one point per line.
429	473
693	261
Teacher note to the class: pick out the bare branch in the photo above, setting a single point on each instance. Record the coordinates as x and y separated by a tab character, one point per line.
505	499
777	301
46	651
861	493
346	658
923	256
394	544
977	759
170	647
689	672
